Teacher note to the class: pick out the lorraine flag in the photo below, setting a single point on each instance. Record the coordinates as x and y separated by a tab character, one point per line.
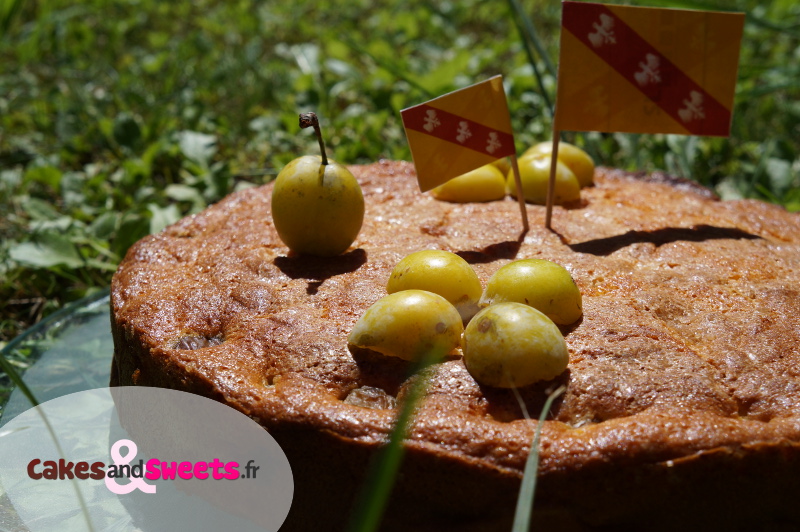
458	132
647	70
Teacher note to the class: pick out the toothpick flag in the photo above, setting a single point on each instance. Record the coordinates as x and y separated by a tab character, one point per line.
644	70
458	132
647	70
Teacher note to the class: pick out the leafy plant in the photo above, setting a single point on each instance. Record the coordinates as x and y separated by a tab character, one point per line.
118	118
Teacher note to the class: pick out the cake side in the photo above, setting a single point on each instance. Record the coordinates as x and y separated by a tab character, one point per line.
688	344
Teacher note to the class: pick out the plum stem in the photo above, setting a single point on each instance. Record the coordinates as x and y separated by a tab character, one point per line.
311	120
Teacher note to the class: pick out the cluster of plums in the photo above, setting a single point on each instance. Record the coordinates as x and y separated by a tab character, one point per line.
574	170
511	338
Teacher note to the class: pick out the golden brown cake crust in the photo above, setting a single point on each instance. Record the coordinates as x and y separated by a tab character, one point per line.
688	351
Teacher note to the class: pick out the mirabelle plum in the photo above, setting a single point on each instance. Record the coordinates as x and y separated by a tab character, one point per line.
571	156
511	345
317	208
410	325
534	172
503	165
440	272
544	285
482	184
317	204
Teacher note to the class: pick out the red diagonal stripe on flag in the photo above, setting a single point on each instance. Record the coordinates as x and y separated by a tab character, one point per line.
458	130
676	93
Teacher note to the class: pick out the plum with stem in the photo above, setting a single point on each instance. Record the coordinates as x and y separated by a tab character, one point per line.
317	204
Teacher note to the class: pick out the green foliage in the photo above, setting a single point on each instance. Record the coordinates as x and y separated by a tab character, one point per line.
117	118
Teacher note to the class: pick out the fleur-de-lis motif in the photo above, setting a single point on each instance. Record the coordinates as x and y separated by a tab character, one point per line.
649	72
693	108
431	121
463	132
603	33
493	143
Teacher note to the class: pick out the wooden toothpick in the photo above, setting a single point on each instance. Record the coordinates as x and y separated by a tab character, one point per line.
551	184
520	195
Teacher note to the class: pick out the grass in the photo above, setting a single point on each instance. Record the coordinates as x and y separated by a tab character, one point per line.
381	473
118	118
524	510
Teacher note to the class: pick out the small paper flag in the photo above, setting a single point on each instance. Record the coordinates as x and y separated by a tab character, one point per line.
647	70
458	132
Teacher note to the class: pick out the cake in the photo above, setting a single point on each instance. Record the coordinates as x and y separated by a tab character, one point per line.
682	402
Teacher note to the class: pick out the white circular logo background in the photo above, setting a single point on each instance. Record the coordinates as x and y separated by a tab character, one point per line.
150	459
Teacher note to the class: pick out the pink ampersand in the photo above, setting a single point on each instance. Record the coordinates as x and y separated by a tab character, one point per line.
135	483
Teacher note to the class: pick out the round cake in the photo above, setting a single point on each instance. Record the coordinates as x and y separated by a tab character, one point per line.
682	402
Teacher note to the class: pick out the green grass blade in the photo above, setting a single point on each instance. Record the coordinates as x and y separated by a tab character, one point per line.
522	516
377	488
8	10
533	37
532	60
536	73
15	377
